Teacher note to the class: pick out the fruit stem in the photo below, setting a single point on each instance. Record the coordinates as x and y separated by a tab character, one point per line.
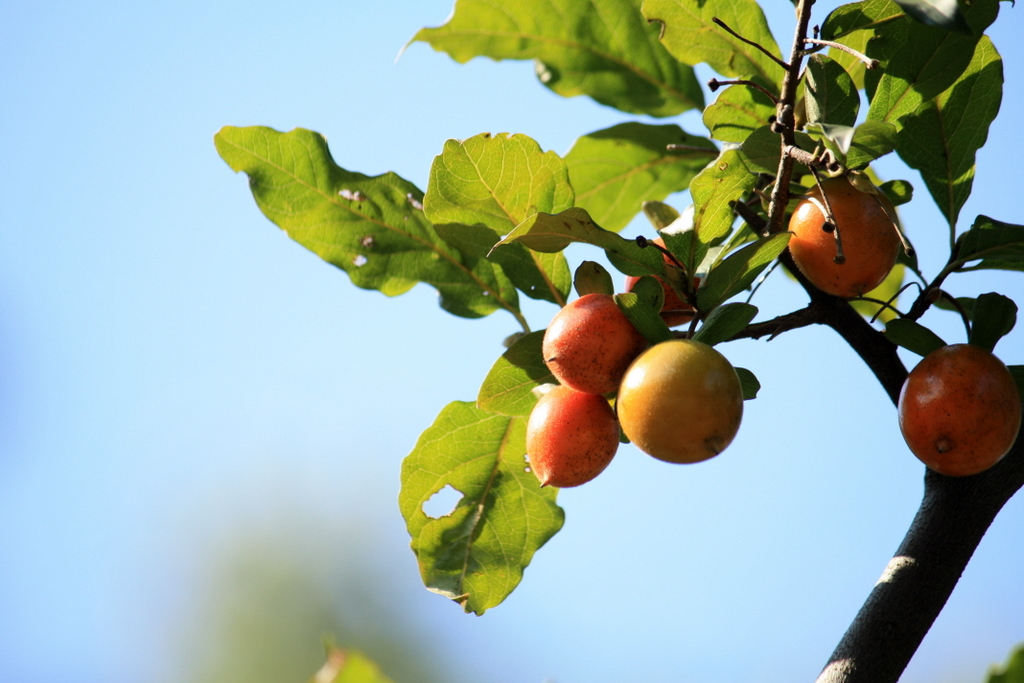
830	220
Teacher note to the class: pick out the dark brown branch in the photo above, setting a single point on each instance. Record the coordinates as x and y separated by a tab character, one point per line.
785	119
953	518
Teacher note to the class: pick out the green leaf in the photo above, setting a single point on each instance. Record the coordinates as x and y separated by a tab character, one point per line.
761	150
912	336
748	383
592	278
508	387
871	140
713	191
660	215
370	227
991	244
855	25
349	666
867	16
724	322
616	169
739	270
993	317
476	554
918	62
599	48
690	34
831	97
644	317
942	137
540	276
554	232
650	291
738	111
1012	671
898	191
837	139
944	14
498	181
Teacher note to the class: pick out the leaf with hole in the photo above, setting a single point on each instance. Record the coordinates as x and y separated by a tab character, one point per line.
373	228
476	555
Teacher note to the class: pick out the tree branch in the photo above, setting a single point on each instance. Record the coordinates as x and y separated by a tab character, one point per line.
953	517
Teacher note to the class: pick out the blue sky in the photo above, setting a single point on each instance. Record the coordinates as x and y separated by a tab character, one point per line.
176	376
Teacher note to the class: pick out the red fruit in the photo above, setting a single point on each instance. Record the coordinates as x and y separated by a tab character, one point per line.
675	311
960	410
870	241
571	437
590	343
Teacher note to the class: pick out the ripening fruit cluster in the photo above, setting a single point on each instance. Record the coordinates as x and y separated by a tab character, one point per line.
679	401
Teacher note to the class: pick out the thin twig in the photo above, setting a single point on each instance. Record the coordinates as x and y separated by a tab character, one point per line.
750	42
715	84
868	61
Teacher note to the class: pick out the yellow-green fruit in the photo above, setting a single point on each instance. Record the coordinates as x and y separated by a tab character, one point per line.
680	401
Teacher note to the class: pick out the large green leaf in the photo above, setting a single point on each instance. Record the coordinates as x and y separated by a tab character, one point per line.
854	25
737	112
867	15
600	48
943	136
498	181
693	37
508	387
918	62
370	227
991	244
476	554
554	232
713	191
942	13
616	169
